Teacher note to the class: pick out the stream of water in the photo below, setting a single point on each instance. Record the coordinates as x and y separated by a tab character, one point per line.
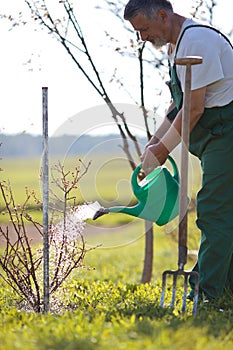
87	211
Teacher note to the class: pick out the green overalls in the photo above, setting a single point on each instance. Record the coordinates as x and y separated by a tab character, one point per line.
212	142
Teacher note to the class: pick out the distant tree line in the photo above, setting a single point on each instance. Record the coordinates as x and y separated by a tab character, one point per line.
27	145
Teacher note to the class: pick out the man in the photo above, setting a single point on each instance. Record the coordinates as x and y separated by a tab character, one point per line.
211	129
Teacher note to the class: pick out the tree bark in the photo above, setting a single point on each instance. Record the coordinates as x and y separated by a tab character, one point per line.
149	248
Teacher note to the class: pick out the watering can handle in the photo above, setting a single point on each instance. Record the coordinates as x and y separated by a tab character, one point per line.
134	179
174	168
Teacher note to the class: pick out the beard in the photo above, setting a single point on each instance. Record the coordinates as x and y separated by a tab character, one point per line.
158	43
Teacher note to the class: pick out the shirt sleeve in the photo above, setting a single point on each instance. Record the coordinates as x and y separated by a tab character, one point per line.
201	42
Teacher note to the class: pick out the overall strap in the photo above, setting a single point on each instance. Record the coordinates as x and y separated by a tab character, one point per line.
174	83
203	26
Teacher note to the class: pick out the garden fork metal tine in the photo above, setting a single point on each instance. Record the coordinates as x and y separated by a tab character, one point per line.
183	195
196	290
184	298
172	304
164	283
175	274
162	298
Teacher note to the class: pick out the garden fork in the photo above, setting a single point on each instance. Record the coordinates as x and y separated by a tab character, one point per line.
182	231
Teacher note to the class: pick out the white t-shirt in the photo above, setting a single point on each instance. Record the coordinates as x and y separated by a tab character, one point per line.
216	70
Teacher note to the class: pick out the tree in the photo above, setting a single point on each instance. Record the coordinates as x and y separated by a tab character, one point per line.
68	32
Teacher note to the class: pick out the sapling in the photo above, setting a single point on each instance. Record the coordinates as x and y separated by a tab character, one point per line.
21	260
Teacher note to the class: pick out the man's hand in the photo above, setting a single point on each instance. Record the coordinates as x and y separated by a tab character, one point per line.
154	140
153	156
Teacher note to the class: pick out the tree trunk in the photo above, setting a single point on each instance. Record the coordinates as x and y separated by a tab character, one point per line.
148	260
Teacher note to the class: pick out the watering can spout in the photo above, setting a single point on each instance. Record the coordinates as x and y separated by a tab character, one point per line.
134	211
157	194
100	212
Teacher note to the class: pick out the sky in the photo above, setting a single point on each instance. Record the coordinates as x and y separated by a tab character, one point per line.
32	59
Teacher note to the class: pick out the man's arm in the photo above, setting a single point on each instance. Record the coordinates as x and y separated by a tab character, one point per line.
157	154
163	128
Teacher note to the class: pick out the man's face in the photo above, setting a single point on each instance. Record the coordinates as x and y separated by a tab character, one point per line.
152	30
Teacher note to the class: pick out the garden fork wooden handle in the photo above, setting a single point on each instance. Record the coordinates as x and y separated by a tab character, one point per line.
188	62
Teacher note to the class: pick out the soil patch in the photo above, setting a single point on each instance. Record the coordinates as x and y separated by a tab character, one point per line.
32	234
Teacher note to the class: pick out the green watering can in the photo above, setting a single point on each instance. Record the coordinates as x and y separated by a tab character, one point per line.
157	194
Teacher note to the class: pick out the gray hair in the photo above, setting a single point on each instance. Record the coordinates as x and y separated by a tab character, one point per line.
148	8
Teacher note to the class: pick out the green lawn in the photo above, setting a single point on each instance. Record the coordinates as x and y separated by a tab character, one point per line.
105	306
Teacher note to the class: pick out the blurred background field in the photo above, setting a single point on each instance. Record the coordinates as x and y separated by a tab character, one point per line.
106	181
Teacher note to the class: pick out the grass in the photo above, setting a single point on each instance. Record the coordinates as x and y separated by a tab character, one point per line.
106	306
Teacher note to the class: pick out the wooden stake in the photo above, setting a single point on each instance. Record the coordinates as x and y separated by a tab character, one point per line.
188	62
45	180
